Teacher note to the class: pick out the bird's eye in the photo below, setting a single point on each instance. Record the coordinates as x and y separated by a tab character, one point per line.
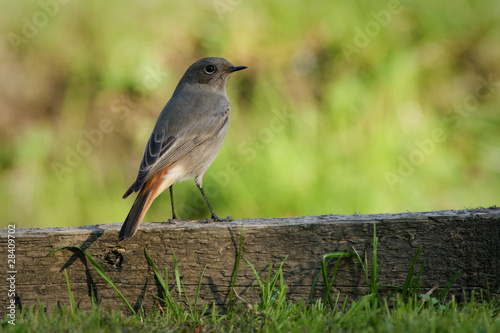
210	69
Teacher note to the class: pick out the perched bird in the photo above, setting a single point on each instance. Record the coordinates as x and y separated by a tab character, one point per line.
186	138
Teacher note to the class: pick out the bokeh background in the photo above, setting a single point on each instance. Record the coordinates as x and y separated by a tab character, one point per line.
346	106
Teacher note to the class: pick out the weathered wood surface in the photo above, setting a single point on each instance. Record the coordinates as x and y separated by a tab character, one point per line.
467	241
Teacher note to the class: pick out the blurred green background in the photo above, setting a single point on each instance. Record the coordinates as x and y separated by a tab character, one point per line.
346	106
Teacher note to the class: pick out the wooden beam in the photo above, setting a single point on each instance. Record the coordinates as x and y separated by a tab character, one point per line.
467	241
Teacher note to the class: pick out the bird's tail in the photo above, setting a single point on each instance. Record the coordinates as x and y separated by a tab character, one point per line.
137	212
149	191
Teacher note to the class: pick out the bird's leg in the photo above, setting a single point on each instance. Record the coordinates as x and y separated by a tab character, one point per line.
174	217
214	216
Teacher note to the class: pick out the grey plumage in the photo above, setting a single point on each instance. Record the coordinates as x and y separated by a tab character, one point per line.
186	138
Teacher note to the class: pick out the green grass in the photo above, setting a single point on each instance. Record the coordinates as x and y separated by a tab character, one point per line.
312	131
404	310
473	316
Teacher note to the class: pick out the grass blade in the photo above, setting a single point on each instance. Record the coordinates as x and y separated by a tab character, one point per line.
324	273
357	307
270	296
257	277
444	292
363	266
155	270
167	297
196	296
177	276
71	298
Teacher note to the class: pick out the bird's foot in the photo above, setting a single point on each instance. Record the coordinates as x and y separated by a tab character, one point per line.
215	218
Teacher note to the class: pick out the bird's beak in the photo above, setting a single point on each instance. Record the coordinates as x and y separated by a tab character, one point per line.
235	68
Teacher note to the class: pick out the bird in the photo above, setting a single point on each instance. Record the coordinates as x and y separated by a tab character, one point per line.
186	139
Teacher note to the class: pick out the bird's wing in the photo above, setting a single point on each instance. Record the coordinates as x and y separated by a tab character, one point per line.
176	147
175	135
